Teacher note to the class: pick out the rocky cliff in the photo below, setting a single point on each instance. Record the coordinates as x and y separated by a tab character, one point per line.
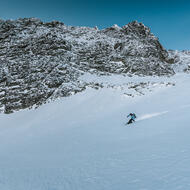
42	61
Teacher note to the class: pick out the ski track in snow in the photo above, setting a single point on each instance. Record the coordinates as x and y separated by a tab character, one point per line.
79	142
150	115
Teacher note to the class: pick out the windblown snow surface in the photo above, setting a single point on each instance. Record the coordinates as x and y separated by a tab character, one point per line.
82	143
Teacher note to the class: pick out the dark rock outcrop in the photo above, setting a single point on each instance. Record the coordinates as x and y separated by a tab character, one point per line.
41	61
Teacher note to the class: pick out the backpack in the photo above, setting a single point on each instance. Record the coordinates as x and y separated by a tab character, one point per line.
134	115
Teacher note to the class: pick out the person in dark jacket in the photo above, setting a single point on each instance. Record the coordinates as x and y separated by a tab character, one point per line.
132	118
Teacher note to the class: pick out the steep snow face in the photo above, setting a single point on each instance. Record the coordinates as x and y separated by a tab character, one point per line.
42	61
81	142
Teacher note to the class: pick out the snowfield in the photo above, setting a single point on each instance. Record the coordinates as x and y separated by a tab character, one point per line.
82	143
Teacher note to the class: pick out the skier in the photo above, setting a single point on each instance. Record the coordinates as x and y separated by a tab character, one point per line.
132	119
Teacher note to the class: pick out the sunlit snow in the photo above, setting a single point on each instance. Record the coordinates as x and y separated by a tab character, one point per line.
82	143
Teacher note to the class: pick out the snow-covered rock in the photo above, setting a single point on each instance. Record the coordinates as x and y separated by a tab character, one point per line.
181	60
42	61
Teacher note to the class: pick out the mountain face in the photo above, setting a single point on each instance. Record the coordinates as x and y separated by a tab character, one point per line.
43	61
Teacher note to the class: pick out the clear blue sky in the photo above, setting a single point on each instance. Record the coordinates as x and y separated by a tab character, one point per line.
168	19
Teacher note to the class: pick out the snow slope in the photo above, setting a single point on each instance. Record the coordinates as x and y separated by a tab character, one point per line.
81	142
